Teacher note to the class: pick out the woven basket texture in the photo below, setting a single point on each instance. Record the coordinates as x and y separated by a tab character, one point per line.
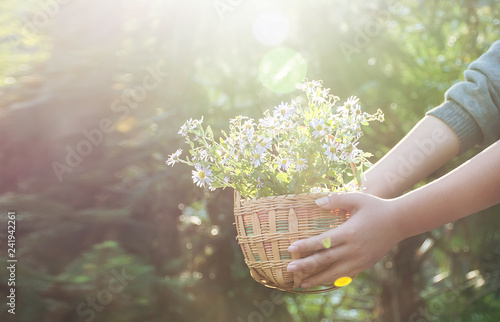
267	226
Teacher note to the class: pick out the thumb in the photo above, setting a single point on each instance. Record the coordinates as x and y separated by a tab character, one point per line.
344	200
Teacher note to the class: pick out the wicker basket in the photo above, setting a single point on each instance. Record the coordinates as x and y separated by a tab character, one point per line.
267	226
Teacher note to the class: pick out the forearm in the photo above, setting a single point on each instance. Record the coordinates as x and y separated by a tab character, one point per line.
472	187
375	225
429	145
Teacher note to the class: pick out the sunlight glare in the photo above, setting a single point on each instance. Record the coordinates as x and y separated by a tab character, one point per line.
271	28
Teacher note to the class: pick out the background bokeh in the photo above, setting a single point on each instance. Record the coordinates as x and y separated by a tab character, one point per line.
92	96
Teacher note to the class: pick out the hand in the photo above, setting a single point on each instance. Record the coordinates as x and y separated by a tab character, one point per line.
356	245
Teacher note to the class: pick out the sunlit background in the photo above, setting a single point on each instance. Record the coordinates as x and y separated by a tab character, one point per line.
94	92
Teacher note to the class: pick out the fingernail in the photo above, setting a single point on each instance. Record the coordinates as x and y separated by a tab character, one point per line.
305	285
322	201
291	268
293	249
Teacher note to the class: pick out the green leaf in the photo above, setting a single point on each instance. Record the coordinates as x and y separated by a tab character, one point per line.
327	242
281	176
292	184
209	133
358	177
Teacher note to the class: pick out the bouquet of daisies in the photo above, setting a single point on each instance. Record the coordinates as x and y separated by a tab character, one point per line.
306	145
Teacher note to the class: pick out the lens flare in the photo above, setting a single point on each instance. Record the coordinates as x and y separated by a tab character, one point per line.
271	28
282	70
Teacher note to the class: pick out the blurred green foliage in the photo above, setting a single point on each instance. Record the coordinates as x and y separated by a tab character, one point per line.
107	232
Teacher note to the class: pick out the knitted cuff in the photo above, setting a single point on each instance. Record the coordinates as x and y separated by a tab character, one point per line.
461	122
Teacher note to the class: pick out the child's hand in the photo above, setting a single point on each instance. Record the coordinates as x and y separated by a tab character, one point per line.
356	245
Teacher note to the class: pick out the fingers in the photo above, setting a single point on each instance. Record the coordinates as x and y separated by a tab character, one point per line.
334	248
338	261
349	201
325	240
324	258
330	275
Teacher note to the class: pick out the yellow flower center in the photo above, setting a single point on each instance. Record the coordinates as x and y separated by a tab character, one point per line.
283	161
300	162
201	174
256	156
332	149
319	127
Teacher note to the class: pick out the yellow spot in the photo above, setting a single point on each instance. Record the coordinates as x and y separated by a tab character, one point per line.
256	156
300	162
342	281
319	127
327	242
283	161
332	149
201	174
125	125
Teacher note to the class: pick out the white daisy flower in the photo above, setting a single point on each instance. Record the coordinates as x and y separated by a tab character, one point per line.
201	175
269	122
204	155
260	183
310	87
249	128
196	123
351	101
330	152
242	145
337	144
183	131
320	95
174	157
284	111
301	164
257	158
287	125
284	164
319	127
263	144
352	155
